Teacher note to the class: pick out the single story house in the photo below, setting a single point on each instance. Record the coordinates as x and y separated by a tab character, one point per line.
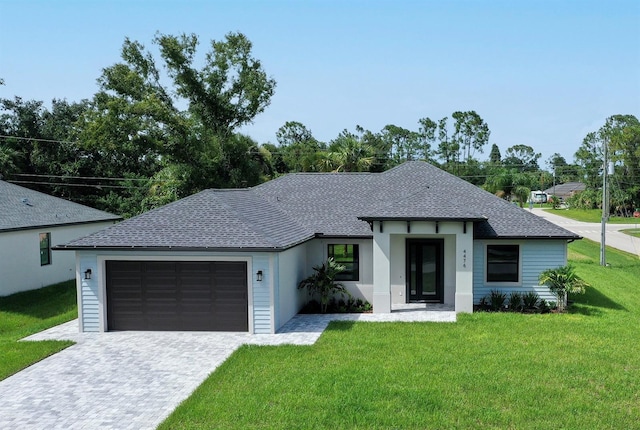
30	223
231	260
566	190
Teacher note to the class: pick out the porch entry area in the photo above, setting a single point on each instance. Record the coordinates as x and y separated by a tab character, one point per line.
425	270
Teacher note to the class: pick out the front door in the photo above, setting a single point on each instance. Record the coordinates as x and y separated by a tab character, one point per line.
424	270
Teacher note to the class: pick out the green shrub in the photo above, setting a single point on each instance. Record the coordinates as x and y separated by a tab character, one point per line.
323	283
530	300
563	281
515	301
497	300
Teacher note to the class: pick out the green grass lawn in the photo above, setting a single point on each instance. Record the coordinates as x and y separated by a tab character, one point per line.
632	232
591	215
26	313
579	370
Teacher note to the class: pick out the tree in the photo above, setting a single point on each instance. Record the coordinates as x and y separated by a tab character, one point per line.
406	145
323	283
494	155
522	157
43	142
563	281
293	132
348	153
231	88
510	184
621	135
562	171
447	147
427	132
471	133
589	159
297	150
137	127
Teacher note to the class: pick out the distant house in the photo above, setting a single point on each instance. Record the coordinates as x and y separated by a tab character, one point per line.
31	223
566	190
231	260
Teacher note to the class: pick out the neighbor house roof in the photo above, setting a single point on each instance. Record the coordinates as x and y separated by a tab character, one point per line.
22	208
566	190
296	207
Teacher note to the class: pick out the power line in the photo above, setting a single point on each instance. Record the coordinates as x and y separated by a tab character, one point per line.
81	177
63	184
38	139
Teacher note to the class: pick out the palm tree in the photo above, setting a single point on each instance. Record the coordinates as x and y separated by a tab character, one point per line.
563	281
348	154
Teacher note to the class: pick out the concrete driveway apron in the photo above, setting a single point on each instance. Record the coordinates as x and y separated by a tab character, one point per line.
134	380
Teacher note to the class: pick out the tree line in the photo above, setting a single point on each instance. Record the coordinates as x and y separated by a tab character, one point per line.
161	128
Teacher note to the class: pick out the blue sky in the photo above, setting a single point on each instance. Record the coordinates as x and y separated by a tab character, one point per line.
541	73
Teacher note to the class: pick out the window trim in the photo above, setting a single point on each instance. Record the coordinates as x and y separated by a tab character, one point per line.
47	237
510	283
356	260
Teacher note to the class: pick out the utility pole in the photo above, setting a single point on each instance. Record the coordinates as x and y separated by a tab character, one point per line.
605	202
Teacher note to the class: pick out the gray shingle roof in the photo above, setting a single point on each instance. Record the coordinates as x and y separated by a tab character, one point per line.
338	204
296	207
22	208
566	190
211	219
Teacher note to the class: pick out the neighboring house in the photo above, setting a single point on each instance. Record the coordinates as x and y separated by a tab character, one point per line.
232	259
566	190
30	224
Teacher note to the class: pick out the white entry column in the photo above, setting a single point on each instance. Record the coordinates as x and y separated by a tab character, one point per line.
381	270
464	271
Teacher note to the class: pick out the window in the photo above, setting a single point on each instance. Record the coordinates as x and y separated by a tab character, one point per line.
45	249
348	256
503	263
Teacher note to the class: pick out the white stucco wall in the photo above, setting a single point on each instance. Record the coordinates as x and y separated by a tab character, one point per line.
317	253
20	268
292	268
535	257
390	261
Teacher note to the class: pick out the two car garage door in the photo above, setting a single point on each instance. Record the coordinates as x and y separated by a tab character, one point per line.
177	295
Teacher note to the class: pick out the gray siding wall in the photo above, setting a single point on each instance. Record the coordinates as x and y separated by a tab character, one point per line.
91	306
535	257
263	311
88	293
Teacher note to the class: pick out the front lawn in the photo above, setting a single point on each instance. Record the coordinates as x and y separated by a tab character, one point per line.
26	313
489	370
591	215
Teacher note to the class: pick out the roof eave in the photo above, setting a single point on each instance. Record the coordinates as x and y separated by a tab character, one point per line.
515	237
66	224
165	248
456	219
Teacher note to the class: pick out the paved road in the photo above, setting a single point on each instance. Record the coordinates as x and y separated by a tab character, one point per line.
614	238
134	380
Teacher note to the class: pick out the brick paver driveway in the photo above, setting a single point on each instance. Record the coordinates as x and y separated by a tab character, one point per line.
134	380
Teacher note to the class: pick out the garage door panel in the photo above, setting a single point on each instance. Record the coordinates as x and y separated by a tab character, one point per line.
160	295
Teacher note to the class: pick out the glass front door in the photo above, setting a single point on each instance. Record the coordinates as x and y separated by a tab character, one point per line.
424	270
